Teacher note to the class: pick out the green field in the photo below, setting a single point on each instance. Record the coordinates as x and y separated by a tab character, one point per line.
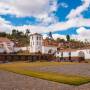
19	68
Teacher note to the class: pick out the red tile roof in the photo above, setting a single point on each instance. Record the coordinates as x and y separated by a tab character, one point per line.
2	39
49	43
68	50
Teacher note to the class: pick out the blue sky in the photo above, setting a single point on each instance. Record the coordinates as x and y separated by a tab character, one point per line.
62	17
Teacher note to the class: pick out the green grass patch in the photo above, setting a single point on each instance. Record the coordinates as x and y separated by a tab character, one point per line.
56	77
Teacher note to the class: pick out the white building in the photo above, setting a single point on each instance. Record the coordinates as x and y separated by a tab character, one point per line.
75	53
6	45
49	46
46	46
38	44
35	43
16	49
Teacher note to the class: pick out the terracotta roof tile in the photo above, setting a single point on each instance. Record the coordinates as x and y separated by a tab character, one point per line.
49	43
68	50
2	39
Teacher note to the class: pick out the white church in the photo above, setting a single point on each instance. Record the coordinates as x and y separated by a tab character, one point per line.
38	44
46	46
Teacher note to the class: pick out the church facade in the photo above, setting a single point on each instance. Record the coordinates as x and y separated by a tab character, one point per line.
38	44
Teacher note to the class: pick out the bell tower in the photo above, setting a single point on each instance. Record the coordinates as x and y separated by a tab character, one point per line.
36	43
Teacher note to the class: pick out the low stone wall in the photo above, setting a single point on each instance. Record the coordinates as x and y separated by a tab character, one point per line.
31	58
70	59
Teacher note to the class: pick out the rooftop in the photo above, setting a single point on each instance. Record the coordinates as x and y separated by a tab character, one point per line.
47	42
35	34
3	39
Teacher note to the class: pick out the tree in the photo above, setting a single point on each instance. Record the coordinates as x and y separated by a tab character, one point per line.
60	40
20	33
72	40
14	32
20	37
68	38
3	34
28	37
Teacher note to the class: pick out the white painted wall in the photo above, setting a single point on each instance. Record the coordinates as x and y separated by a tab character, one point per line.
58	54
16	49
75	53
35	45
7	46
65	54
2	50
45	49
87	53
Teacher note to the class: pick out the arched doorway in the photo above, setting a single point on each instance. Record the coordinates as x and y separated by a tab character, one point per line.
50	51
62	58
81	55
69	56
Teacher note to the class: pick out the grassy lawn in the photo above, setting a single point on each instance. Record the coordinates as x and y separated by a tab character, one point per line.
57	77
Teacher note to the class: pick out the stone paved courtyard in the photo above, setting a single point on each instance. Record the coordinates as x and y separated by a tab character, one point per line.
12	81
82	69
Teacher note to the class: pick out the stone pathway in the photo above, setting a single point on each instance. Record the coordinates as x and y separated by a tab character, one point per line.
12	81
72	69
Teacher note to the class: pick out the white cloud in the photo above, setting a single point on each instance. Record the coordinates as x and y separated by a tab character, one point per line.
75	22
7	8
55	36
64	5
40	9
26	7
77	12
82	34
59	26
5	26
46	20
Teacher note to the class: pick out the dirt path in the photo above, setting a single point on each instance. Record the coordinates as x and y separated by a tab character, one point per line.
12	81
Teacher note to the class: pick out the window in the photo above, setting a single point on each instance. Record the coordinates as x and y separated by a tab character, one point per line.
62	54
69	53
50	51
32	37
31	43
37	38
81	54
1	45
10	48
89	52
57	52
